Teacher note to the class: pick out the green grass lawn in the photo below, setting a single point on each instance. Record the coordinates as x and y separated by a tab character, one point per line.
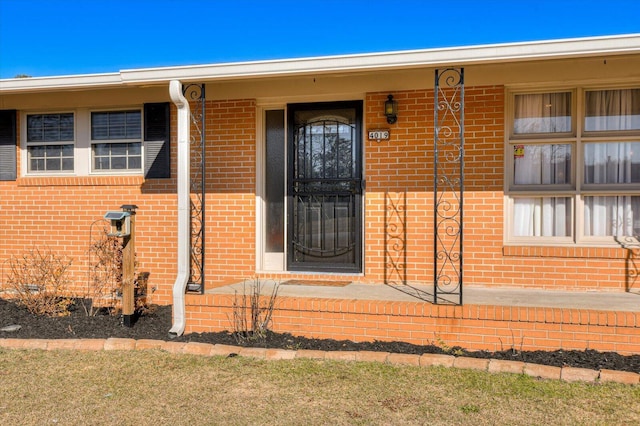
158	388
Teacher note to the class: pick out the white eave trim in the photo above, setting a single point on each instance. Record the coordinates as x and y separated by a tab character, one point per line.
495	53
83	81
483	54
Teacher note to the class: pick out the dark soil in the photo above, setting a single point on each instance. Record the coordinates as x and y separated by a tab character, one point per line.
156	324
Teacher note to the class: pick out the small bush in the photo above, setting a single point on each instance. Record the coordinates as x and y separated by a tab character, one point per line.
105	273
252	312
104	286
39	279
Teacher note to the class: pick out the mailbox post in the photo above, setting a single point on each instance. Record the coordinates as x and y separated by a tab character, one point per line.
123	225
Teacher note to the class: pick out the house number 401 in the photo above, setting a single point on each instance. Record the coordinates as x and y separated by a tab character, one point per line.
379	135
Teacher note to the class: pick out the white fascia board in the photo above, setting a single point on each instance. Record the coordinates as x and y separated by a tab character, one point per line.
440	57
68	82
484	54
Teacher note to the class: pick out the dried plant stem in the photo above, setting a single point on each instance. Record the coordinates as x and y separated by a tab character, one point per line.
252	312
40	279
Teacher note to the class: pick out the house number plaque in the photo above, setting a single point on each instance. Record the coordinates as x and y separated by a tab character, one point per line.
379	134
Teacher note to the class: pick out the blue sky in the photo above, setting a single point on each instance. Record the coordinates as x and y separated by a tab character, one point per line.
62	37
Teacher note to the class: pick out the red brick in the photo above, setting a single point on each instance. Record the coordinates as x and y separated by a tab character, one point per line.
145	344
312	354
403	359
372	356
340	355
118	344
196	348
542	371
471	363
174	347
429	360
260	353
14	343
62	344
625	377
573	374
91	344
225	350
506	366
277	354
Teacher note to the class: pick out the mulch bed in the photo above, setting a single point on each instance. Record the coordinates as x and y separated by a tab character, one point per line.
156	324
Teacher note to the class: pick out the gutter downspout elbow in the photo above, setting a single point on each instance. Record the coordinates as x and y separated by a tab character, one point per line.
184	210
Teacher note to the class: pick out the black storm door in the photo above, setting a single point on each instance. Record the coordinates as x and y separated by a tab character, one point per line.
325	187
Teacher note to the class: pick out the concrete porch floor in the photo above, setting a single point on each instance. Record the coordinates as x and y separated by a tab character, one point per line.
601	301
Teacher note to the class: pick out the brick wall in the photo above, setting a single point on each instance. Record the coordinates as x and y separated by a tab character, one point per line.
63	215
399	201
58	212
231	182
473	327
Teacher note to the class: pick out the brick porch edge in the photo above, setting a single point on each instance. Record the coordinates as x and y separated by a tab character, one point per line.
568	374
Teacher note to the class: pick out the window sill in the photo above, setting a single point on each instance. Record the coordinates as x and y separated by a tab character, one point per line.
566	252
123	180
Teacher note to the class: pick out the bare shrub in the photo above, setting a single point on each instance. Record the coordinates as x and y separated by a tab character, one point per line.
105	281
39	279
105	273
252	312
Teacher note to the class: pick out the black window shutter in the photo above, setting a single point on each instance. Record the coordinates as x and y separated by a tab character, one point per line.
157	135
8	168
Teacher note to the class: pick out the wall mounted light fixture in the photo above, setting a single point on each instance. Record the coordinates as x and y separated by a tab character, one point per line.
391	109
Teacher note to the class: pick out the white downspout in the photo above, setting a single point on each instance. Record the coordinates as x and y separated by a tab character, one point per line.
184	211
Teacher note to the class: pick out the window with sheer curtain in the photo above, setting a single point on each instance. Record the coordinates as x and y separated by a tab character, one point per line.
547	197
612	163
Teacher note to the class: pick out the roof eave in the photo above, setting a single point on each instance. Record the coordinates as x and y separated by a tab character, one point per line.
64	82
440	57
483	54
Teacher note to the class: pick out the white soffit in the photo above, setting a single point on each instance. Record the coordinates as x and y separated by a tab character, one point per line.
457	56
60	82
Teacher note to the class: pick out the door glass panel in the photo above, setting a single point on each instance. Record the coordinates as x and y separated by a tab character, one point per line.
274	193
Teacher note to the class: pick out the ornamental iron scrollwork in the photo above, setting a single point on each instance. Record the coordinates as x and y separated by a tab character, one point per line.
448	185
195	94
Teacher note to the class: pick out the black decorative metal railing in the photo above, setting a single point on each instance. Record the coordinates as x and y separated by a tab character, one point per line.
195	94
448	186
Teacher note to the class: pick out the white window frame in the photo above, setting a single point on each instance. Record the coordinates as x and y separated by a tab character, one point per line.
25	158
576	190
93	142
83	160
267	261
